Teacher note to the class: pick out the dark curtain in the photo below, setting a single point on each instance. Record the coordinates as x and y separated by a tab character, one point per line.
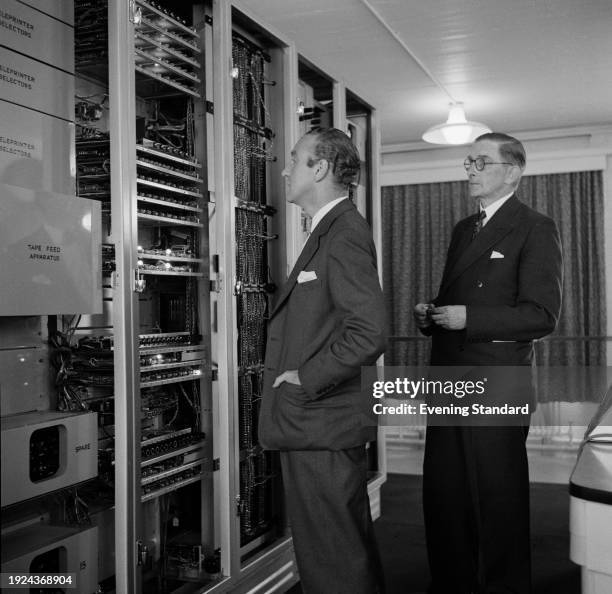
575	202
417	224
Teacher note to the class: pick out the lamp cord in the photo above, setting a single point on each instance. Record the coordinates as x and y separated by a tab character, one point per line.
399	40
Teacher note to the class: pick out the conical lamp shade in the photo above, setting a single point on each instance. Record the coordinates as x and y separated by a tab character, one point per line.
456	130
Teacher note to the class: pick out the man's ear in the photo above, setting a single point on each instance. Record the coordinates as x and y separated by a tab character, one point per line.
513	175
321	170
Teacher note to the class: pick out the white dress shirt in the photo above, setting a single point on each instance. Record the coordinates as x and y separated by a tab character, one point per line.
493	208
316	218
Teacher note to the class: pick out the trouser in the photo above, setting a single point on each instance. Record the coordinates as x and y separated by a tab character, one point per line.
329	513
476	506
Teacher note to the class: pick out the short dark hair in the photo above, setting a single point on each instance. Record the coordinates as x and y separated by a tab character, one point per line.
337	149
510	149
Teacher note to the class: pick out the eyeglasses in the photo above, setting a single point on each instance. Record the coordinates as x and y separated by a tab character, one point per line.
480	163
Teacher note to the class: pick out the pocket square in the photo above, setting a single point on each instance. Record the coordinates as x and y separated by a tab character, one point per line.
306	275
495	254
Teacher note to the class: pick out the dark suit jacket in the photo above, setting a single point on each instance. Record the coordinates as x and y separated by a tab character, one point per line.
326	328
514	298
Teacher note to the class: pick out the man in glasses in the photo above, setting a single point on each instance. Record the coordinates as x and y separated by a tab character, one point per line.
500	290
328	321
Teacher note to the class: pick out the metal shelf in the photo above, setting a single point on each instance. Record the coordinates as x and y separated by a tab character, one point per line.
166	81
101	141
165	436
193	446
170	156
170	273
167	188
169	204
165	336
157	220
149	41
170	21
92	176
160	65
148	23
171	471
173	487
166	171
93	194
185	350
96	160
172	380
170	258
175	365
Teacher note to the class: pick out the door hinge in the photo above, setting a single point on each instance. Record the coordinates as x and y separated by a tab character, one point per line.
239	506
143	552
139	282
135	13
216	285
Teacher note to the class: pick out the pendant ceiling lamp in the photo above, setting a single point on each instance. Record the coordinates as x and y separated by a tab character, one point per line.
456	129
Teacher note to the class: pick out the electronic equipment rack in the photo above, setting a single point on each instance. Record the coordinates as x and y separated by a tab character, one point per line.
131	386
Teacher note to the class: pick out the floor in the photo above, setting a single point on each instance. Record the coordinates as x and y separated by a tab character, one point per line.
545	466
401	538
401	534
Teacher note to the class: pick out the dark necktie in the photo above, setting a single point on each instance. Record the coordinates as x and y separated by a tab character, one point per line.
478	223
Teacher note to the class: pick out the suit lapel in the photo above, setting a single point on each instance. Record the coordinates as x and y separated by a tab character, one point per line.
502	222
461	242
309	250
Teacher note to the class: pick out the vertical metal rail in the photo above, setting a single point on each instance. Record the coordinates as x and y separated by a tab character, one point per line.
339	106
204	146
122	96
374	158
289	229
226	322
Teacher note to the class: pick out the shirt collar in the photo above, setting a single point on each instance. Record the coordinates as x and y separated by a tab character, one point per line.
316	218
493	208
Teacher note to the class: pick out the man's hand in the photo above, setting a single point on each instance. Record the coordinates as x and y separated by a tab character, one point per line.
290	376
419	313
449	317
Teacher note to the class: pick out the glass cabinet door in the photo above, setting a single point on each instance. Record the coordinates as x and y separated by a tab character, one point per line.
141	64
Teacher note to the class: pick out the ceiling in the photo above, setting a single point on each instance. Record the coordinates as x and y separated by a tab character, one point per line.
517	65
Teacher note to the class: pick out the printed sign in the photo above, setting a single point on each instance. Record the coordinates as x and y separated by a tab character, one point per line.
36	150
37	35
59	9
50	253
29	83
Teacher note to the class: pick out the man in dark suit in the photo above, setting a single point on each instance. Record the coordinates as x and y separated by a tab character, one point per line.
327	322
500	290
